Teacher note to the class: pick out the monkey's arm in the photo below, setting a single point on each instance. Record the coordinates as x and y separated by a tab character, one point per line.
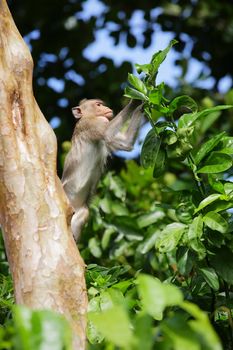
125	141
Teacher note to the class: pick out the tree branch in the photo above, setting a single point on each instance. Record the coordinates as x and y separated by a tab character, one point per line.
46	266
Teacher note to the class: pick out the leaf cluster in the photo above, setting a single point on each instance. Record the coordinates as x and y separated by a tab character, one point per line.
178	228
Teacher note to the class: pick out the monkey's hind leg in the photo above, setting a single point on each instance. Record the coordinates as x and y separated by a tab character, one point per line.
78	220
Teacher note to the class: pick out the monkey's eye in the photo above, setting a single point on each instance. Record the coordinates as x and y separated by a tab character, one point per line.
98	104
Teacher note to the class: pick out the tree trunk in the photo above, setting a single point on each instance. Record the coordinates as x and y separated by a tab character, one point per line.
46	266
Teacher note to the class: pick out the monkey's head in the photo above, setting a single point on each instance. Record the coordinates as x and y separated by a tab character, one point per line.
92	108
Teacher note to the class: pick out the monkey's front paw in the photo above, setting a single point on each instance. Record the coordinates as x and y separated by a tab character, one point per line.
134	103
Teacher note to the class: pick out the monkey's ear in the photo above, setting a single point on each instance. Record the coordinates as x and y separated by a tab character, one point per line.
77	113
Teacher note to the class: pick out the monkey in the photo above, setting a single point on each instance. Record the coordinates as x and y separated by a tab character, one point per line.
96	135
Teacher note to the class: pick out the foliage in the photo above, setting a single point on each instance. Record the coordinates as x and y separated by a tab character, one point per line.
158	245
35	330
173	137
127	316
180	230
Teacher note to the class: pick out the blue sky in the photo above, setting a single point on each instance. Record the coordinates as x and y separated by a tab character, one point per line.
104	46
168	73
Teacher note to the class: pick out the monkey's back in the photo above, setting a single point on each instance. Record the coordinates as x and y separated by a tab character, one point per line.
84	165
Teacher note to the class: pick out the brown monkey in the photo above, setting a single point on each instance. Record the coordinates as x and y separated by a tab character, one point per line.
94	138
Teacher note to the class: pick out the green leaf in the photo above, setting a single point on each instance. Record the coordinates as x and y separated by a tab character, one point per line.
208	200
124	285
160	163
148	244
150	218
110	298
181	185
215	222
117	186
183	102
210	276
190	118
226	145
150	149
221	206
194	235
105	204
202	326
185	133
137	83
134	94
187	119
155	96
94	247
152	296
228	189
93	335
162	109
169	137
207	121
40	330
170	237
180	149
179	333
195	228
143	331
145	68
185	260
216	163
207	147
159	57
184	211
197	246
173	295
114	325
107	236
215	183
119	209
155	296
222	261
